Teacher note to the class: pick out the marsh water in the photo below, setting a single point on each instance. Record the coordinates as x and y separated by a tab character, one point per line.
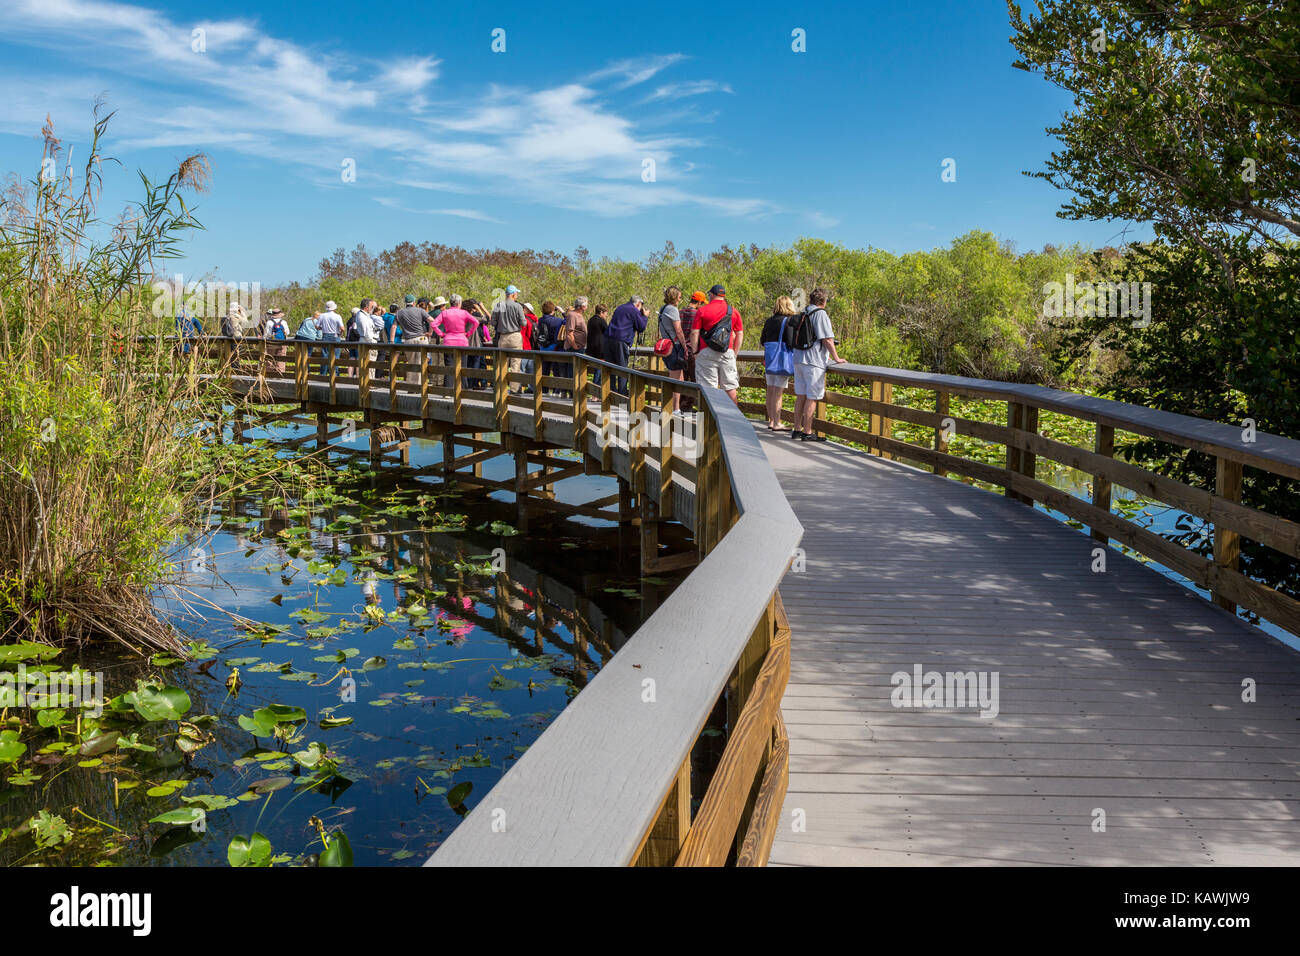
369	661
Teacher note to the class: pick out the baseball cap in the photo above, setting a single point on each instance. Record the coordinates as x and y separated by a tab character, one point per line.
512	290
410	299
698	297
717	290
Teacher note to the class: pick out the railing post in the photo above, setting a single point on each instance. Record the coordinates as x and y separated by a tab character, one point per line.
940	433
456	386
363	378
580	403
606	446
666	837
1103	445
537	398
501	391
886	423
301	369
426	358
666	454
1227	543
636	432
873	428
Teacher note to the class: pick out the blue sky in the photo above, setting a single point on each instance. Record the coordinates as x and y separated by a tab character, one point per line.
545	145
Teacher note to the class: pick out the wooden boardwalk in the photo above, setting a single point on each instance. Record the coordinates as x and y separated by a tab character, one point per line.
1118	691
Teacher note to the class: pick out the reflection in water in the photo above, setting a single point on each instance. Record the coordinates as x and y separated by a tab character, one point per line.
426	644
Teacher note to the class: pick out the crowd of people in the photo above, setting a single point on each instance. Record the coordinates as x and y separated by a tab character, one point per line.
698	339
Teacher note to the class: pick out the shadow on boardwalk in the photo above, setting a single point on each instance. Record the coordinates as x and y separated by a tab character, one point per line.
1119	692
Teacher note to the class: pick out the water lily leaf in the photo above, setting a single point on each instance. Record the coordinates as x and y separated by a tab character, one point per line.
25	651
327	723
10	747
102	743
212	801
154	702
185	816
167	788
269	785
249	851
338	853
457	794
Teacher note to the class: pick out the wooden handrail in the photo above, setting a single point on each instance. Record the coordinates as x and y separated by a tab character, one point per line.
608	782
1220	507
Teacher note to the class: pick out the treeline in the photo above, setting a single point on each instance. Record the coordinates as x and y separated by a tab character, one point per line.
974	307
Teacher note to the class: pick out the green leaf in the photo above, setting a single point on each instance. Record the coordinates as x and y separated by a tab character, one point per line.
185	816
338	853
249	851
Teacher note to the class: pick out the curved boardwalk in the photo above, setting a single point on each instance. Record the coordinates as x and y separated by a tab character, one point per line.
1119	691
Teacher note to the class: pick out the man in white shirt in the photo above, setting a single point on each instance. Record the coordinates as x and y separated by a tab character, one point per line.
810	367
330	324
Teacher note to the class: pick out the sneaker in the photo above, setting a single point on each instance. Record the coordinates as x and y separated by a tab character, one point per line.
796	434
810	436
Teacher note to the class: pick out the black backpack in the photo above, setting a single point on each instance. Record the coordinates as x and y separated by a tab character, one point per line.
542	334
799	332
718	337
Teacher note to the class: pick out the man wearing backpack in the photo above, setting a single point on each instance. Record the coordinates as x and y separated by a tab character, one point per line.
277	331
813	342
716	335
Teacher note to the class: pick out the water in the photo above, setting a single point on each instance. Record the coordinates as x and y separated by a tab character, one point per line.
425	643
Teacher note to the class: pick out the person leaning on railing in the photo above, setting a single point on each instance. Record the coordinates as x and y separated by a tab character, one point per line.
715	367
778	357
277	331
573	335
596	327
508	327
670	328
414	323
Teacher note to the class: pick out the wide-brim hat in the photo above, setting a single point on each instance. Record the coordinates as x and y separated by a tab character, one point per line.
330	305
440	301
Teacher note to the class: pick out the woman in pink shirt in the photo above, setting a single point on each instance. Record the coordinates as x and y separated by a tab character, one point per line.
455	324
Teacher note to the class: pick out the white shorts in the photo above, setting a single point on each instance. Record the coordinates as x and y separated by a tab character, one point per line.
717	369
778	381
810	381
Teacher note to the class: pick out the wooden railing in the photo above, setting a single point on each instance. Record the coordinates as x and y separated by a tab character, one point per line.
609	781
1023	444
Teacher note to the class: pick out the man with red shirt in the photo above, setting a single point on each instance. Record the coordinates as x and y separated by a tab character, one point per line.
714	368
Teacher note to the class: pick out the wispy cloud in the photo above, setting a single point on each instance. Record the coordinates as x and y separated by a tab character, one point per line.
475	214
678	91
237	87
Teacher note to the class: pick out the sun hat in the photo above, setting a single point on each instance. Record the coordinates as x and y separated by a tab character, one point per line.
699	297
528	307
440	301
330	305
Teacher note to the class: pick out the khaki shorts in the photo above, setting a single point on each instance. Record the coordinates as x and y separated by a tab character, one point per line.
809	381
717	369
777	381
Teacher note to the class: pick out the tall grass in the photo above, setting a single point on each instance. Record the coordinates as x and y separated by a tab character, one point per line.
96	434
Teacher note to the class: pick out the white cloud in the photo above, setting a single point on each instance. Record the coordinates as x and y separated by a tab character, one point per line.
565	146
678	91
